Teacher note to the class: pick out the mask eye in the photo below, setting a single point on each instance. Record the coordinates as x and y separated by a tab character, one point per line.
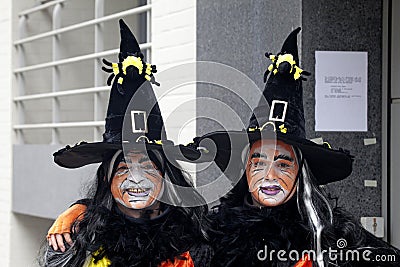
283	165
122	171
258	165
148	167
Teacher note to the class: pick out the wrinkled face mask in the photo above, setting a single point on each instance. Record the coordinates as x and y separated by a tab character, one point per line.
137	182
271	172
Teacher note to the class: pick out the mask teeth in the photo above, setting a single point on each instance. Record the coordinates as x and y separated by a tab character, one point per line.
136	190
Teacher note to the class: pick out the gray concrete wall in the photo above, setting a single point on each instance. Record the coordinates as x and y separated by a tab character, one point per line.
331	25
238	33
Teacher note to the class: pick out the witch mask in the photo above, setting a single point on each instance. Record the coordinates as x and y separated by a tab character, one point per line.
271	172
137	182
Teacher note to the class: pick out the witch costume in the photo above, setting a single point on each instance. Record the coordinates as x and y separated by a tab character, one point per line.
299	231
104	235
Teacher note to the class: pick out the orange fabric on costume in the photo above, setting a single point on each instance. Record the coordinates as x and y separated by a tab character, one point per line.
65	220
304	262
187	262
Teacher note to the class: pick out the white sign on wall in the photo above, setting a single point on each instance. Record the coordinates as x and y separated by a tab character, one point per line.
341	91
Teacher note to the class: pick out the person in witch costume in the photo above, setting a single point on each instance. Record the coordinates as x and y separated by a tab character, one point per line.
278	203
134	217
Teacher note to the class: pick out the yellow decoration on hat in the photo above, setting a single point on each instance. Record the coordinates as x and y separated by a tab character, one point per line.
137	62
132	61
277	60
282	128
329	146
120	80
286	58
297	72
272	57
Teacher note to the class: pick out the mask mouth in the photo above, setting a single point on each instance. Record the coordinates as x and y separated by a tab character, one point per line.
271	190
137	191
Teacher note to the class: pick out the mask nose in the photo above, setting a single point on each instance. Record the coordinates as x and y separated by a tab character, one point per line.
136	175
271	174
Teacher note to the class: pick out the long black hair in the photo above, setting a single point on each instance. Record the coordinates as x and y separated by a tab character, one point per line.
104	229
306	221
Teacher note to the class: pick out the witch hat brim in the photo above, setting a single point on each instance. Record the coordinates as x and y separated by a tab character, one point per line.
327	165
90	153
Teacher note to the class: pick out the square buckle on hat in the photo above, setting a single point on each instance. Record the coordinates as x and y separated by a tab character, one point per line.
139	121
279	117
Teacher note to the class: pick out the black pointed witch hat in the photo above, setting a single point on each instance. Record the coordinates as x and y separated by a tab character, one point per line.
133	119
280	115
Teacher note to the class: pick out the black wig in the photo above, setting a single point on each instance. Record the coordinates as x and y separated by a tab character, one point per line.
106	231
305	222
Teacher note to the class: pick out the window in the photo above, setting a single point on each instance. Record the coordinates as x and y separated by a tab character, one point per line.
60	90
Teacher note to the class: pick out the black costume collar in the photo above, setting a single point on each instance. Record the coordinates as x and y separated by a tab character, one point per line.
240	231
250	228
144	242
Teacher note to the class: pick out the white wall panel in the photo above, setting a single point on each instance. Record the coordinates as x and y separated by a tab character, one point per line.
174	42
5	130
